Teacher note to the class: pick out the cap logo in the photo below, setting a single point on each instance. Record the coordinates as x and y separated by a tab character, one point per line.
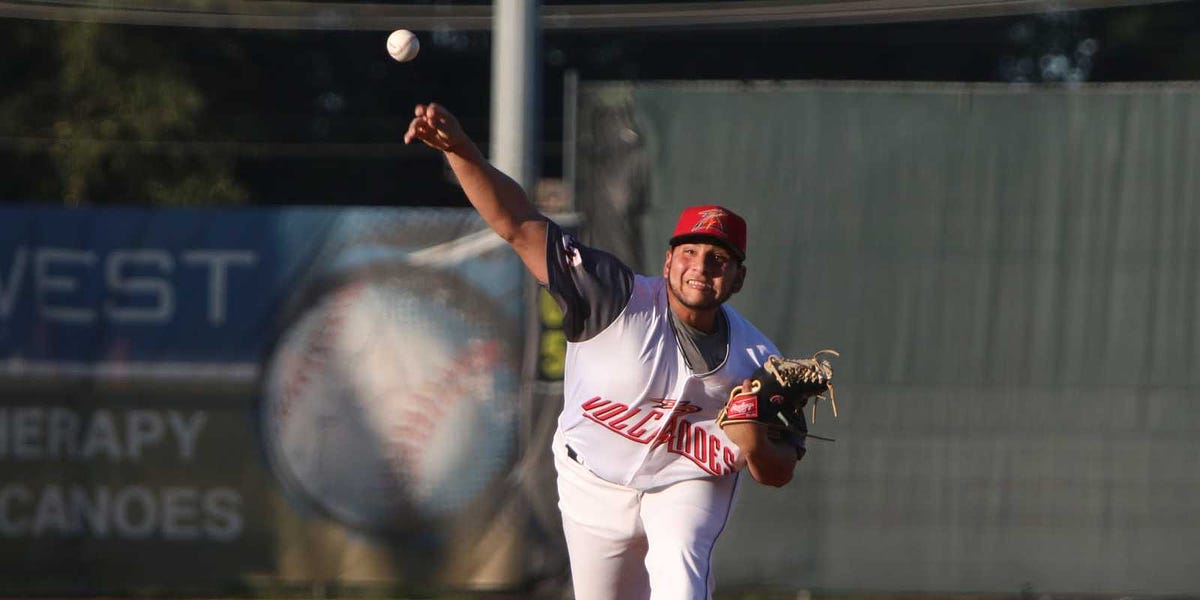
710	219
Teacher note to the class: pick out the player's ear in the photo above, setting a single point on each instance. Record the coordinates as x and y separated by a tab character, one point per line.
739	279
667	264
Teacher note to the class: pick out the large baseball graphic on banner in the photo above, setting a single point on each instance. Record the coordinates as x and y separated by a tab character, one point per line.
389	399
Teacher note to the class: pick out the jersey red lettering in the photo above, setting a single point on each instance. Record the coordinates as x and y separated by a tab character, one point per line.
638	430
699	445
714	453
594	403
681	437
610	411
667	433
619	424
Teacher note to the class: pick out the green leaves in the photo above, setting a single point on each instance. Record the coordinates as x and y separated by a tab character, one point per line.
111	116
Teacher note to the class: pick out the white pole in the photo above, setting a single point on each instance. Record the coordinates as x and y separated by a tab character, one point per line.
515	74
570	133
515	90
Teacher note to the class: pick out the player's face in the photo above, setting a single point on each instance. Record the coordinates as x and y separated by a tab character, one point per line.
701	276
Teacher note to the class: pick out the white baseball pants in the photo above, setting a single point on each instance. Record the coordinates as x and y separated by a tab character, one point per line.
626	544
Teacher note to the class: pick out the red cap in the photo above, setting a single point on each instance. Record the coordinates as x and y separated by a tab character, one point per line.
711	223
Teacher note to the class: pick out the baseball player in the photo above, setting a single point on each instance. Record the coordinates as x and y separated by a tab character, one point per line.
646	479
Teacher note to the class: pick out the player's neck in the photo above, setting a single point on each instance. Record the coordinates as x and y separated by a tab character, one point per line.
702	319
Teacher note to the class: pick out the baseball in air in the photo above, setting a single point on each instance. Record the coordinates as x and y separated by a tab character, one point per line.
402	44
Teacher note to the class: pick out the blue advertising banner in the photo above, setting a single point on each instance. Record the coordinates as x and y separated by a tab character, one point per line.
173	292
274	393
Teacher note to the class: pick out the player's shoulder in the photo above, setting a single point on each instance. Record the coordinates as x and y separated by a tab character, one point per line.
739	323
651	282
647	292
573	252
732	314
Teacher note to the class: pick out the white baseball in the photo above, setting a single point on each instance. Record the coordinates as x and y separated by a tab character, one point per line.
402	44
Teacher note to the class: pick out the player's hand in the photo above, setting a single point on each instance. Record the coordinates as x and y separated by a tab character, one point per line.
770	461
435	126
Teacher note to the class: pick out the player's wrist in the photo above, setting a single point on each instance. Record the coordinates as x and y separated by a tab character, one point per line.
771	463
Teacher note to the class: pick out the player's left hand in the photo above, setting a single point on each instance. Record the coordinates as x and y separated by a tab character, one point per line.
769	457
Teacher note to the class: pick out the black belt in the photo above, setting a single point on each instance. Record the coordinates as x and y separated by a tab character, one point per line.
571	454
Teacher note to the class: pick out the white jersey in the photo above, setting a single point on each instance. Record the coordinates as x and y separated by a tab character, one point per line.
633	411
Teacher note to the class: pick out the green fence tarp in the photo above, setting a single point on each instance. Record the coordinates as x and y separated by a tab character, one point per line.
1011	276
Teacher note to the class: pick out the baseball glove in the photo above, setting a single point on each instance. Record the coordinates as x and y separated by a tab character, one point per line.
779	391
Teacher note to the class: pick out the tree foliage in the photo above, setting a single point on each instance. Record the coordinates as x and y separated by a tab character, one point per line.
107	115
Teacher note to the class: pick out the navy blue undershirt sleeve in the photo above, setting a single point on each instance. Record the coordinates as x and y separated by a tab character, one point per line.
591	286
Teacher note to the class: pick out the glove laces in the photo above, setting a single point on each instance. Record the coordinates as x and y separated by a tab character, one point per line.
806	370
